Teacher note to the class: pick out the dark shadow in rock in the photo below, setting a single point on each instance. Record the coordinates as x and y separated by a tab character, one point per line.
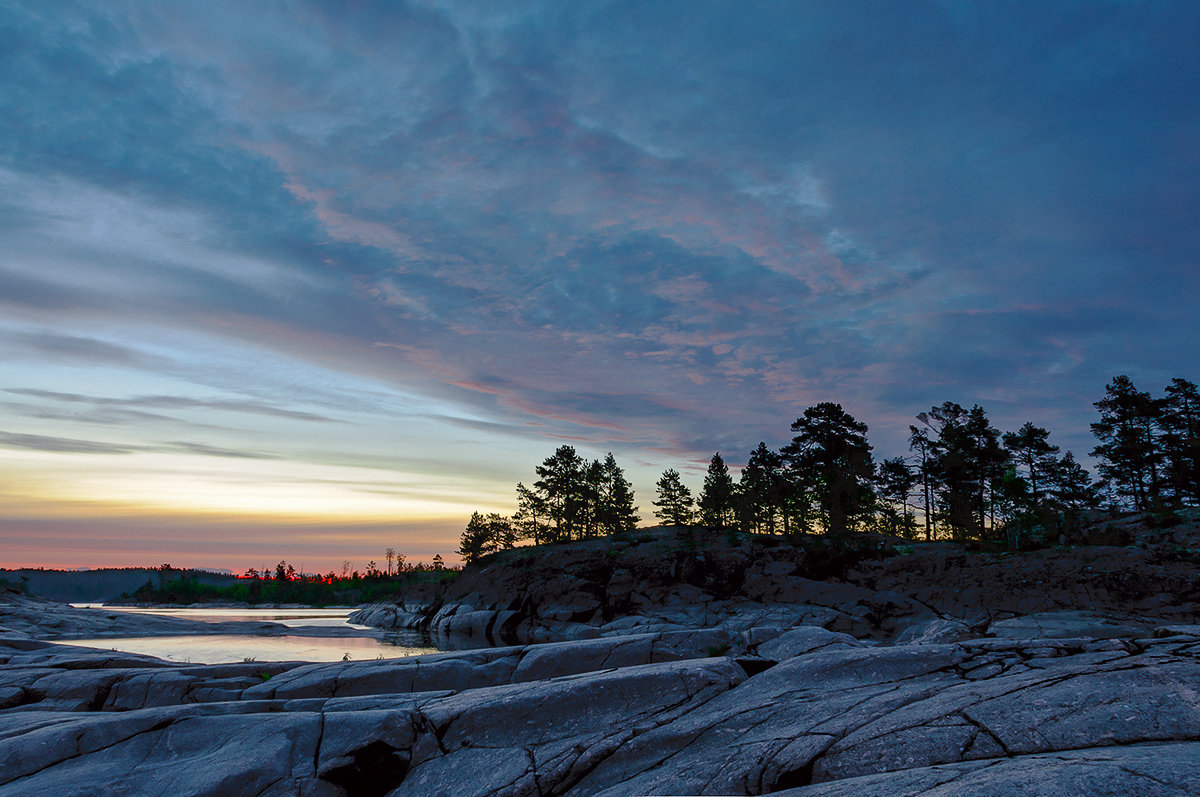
753	666
377	769
794	778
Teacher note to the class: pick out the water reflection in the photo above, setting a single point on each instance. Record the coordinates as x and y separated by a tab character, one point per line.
289	617
223	648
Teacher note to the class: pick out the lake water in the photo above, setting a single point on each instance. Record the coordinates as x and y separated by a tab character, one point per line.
221	648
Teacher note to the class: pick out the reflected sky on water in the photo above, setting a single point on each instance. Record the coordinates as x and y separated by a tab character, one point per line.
222	648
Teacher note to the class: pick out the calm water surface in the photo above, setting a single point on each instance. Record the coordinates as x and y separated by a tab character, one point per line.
221	648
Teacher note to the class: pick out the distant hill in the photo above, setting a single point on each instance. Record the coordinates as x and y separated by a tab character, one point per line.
93	586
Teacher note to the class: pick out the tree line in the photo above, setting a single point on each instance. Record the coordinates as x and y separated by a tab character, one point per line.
285	584
571	499
962	479
285	571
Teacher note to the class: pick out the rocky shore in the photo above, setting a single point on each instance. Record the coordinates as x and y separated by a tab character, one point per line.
23	616
871	587
804	711
734	670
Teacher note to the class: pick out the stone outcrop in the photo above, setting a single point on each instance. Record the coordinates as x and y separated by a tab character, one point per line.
871	587
81	721
796	711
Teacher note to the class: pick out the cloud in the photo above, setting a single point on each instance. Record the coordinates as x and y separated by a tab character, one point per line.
65	445
175	402
661	226
59	347
105	416
23	291
211	451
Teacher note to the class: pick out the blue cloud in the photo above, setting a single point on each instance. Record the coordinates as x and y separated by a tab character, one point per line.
690	220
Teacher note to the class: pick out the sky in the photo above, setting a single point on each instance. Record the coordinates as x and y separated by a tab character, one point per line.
307	280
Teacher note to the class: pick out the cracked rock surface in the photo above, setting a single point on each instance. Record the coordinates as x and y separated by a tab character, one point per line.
527	720
822	713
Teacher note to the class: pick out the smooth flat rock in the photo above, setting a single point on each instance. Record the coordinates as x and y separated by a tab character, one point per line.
157	753
934	631
805	639
1062	624
487	666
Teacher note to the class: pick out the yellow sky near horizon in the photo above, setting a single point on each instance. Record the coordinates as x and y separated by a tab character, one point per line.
69	509
91	510
91	534
173	482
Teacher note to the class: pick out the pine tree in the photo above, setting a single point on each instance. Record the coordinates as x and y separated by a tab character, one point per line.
593	500
966	464
485	535
895	481
1129	453
830	452
560	485
674	500
1071	485
501	533
950	467
1031	450
760	491
473	543
1181	440
918	440
530	518
989	461
618	513
717	497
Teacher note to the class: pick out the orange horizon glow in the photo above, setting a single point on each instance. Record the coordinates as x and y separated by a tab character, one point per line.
101	535
71	510
68	511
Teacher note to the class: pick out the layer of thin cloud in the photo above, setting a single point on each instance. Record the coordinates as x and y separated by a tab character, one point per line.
283	233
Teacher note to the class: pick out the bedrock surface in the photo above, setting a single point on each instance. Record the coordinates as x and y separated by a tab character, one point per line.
798	711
